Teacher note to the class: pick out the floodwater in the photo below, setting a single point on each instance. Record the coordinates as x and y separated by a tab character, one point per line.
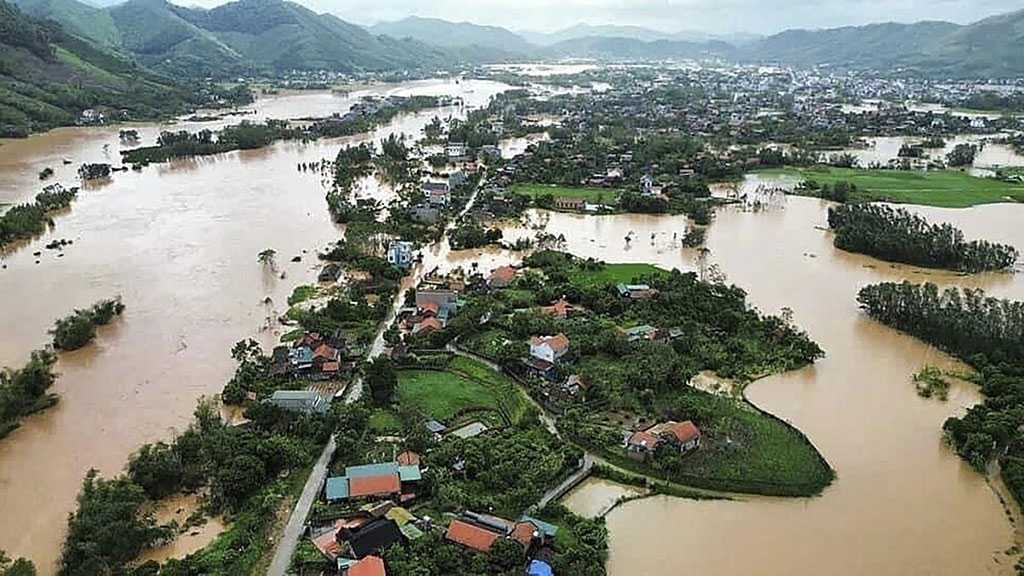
903	503
885	148
179	243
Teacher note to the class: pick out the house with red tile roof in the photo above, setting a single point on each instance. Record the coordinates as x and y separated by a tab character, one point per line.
366	486
471	536
561	308
642	443
369	566
502	277
549	348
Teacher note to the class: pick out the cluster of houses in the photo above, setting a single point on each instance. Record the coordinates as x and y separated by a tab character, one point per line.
313	357
480	532
436	302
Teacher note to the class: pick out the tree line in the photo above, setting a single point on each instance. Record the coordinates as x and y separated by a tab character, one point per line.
79	328
897	235
988	334
25	221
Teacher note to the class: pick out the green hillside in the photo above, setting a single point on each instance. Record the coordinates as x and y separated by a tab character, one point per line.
77	18
990	48
48	77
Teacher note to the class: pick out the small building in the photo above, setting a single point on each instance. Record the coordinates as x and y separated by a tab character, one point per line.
561	308
469	430
641	333
570	203
373	537
549	348
541	368
455	150
424	214
368	566
330	273
471	536
304	401
685	434
400	254
437	193
636	291
442	302
641	443
502	277
457	178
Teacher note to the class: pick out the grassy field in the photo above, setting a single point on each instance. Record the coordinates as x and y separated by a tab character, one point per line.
596	195
744	445
612	274
945	189
441	395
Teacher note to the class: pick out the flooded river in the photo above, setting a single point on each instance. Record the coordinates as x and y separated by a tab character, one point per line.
903	503
179	243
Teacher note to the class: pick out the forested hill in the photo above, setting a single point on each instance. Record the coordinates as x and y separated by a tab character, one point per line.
237	38
455	34
990	48
48	77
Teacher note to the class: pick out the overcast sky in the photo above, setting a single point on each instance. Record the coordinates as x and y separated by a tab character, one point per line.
718	16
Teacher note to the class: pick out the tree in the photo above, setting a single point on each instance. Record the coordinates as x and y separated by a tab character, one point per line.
157	469
268	258
381	379
962	155
19	567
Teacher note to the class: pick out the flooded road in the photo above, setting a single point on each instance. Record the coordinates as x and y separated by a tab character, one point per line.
179	243
903	503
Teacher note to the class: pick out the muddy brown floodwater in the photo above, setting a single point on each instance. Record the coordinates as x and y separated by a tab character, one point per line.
178	242
903	503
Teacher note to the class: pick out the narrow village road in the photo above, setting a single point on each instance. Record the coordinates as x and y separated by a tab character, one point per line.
297	521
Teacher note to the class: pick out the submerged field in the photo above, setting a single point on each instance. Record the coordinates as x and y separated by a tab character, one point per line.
941	188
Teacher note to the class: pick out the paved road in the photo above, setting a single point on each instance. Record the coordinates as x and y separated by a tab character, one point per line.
297	521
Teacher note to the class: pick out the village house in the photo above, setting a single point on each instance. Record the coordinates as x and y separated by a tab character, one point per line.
470	430
636	291
374	481
439	303
304	401
479	532
457	178
644	332
368	566
560	308
437	193
685	435
502	277
549	348
400	254
455	150
424	214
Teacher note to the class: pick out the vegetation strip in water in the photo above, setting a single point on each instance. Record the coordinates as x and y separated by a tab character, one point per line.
986	333
247	135
79	328
24	391
941	188
25	221
897	235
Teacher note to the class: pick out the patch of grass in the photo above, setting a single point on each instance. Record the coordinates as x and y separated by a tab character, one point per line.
292	335
744	445
385	422
596	195
941	188
612	274
442	395
301	294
